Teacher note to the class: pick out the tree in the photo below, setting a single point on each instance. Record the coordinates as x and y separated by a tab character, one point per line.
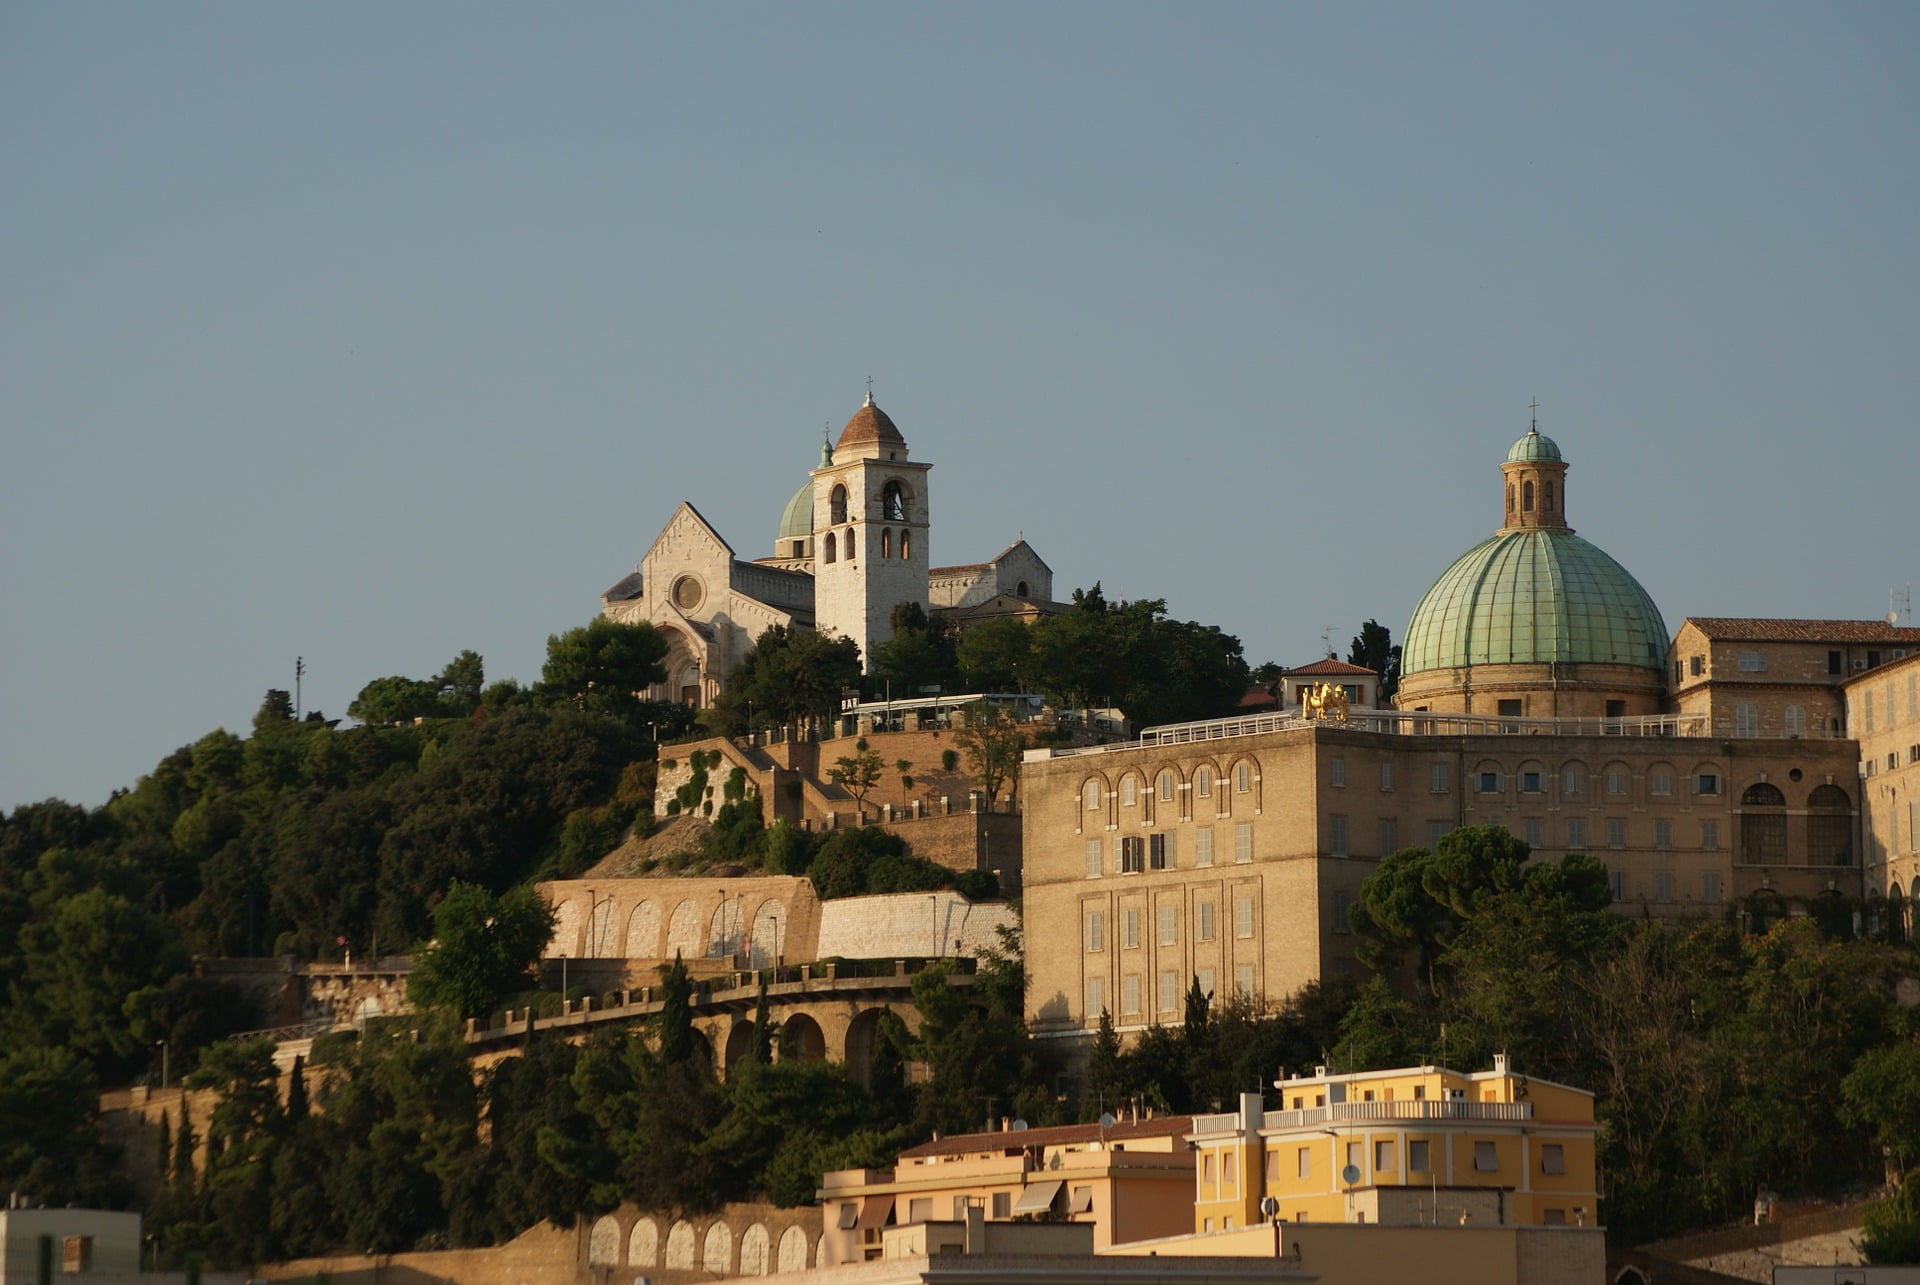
792	676
604	666
395	699
1374	648
857	774
461	684
920	654
50	1149
995	656
483	948
994	744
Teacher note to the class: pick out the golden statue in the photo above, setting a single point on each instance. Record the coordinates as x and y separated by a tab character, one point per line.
1324	701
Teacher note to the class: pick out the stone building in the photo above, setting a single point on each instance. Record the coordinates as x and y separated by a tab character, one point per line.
1882	708
853	543
1535	695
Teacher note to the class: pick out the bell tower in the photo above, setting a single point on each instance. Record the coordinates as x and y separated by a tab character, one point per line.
870	523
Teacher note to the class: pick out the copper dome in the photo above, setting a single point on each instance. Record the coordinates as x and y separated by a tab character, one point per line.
869	427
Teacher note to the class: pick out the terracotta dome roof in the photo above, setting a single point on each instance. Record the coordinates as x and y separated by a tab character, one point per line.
868	427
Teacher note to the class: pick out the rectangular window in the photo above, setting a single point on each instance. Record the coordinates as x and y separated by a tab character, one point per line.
1485	1158
1389	837
1203	846
1386	776
1530	831
1159	852
1383	1155
1710	887
1746	720
1206	921
1243	917
1129	791
1243	981
1169	924
1576	834
1093	858
1616	832
1662	885
1166	787
1227	1174
919	1209
1553	1218
1096	997
1663	833
1203	783
1437	778
1355	1157
1337	836
1709	835
1341	905
1752	662
1530	783
1205	977
1130	928
1130	994
1795	720
1337	770
1617	880
1834	665
1242	844
1489	783
1169	991
1553	1158
1002	1205
1573	781
1096	931
1696	665
1417	1153
960	1209
1707	783
1616	782
1304	1163
1660	781
1510	709
1242	778
1133	854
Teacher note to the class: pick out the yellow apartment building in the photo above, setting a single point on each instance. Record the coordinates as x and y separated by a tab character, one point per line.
1129	1180
1417	1146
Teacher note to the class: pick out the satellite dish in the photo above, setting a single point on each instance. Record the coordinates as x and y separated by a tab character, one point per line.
1019	1126
1269	1207
1350	1175
1106	1119
1893	617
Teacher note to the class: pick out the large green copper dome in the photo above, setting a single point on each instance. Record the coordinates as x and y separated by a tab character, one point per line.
796	523
1533	597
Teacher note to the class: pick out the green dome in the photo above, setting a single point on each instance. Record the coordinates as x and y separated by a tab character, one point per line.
796	523
1533	446
1534	597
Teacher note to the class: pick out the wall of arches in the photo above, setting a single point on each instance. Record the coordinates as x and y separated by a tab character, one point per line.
741	1240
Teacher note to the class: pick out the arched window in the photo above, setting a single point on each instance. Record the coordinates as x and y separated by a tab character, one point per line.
1509	499
1763	826
906	545
826	549
1020	590
837	505
1546	496
1526	497
893	503
1829	827
851	555
886	543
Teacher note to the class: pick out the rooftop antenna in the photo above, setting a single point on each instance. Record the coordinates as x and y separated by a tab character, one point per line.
299	672
1326	640
1900	602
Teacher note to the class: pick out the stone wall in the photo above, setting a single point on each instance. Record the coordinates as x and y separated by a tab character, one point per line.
911	924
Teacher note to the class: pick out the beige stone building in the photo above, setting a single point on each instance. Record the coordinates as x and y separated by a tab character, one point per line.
852	543
1534	695
1883	712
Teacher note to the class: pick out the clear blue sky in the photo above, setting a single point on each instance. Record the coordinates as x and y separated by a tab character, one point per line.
372	332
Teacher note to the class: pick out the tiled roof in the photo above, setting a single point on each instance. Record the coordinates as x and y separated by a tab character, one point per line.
1760	629
1329	667
628	586
868	426
957	569
1164	1126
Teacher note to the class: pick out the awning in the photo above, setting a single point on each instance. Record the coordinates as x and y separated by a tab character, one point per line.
1037	1198
874	1211
849	1213
1082	1201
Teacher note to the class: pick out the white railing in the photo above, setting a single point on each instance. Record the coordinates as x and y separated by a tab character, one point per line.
1354	1112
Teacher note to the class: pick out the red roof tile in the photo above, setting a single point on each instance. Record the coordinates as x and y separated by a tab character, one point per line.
1328	668
1759	629
1059	1135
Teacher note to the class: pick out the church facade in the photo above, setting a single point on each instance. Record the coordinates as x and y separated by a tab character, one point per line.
851	545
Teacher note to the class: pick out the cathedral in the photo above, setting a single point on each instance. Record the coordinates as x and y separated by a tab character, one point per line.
852	543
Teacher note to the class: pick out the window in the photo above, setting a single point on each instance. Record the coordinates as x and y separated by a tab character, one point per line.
1489	783
1710	887
893	503
1337	770
1206	921
1709	835
1795	720
1129	791
850	542
1510	709
906	544
1663	833
1203	783
1090	796
1243	778
827	549
1002	1204
1576	833
837	505
1417	1153
886	543
1553	1218
1660	781
1337	836
1436	831
1130	928
1752	662
1205	977
1165	787
1354	1154
1530	783
1662	885
1389	837
1746	720
1304	1162
1706	783
1159	852
1226	1167
920	1210
1530	831
1096	996
1169	990
1242	844
1617	880
1169	924
1243	917
959	1208
1616	781
1616	832
1243	981
1096	931
1834	665
1383	1155
1203	846
1696	665
1093	858
1386	776
1130	994
1526	497
1553	1158
1133	854
1485	1159
1341	905
1437	778
1573	781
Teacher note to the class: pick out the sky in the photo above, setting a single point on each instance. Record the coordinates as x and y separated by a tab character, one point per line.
368	333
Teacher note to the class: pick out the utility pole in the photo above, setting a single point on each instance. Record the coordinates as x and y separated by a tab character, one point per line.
299	672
